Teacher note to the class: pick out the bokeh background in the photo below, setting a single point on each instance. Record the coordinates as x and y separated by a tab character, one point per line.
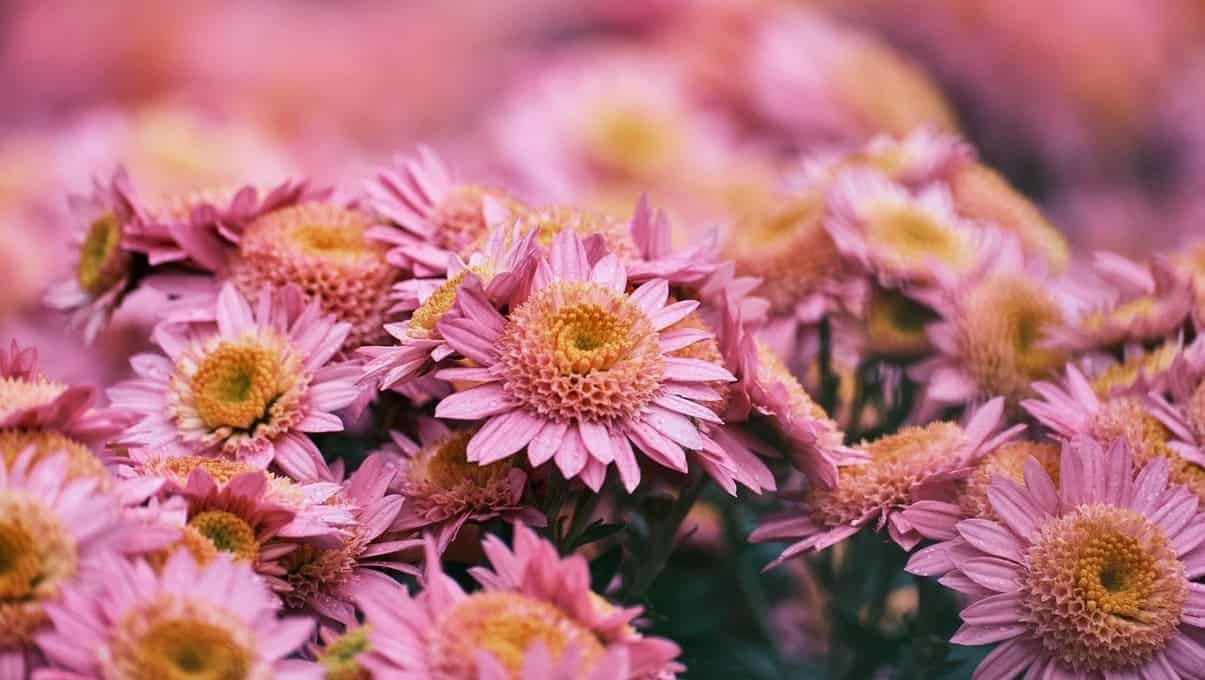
1093	108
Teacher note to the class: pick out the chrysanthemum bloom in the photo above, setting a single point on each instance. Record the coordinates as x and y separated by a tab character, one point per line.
921	157
900	237
1073	409
339	654
213	621
497	270
990	339
608	121
103	270
50	528
325	577
443	490
431	216
936	519
818	81
1141	371
1086	579
49	418
248	389
535	618
580	370
914	463
1137	304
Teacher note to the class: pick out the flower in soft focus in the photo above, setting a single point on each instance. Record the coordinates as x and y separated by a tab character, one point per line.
580	370
535	618
104	268
248	387
443	490
1141	370
991	337
50	418
902	467
1137	303
339	654
819	81
51	528
922	156
498	269
325	577
1085	579
216	620
431	217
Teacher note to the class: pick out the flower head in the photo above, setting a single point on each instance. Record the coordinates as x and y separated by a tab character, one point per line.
248	389
1085	578
535	617
914	463
580	370
216	620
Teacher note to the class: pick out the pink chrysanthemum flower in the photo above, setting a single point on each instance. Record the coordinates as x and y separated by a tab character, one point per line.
1137	304
324	576
991	334
536	618
1141	370
1072	409
914	463
432	217
1086	579
339	653
580	370
51	528
186	620
920	157
497	270
49	417
104	268
901	237
443	490
248	389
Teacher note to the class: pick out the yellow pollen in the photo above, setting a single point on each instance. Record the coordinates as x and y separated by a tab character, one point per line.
81	461
589	338
37	555
446	465
423	320
100	260
188	650
196	543
228	532
507	625
1123	376
17	393
338	659
913	236
235	384
180	467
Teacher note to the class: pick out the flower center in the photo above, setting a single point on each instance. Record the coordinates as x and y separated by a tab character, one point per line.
912	235
81	461
100	258
197	544
549	222
17	394
235	385
227	532
631	141
446	464
179	468
1127	419
339	658
423	320
1123	376
506	625
459	220
36	556
1105	590
895	324
189	650
1007	461
578	350
1124	314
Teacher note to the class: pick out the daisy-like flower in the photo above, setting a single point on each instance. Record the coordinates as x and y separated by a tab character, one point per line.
49	417
431	216
1072	409
1088	578
580	370
1141	371
443	490
1137	304
50	529
914	463
497	270
216	620
991	337
248	389
326	577
103	272
900	237
535	619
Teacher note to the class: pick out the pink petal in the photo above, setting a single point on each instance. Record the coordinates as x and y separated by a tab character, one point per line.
503	436
475	403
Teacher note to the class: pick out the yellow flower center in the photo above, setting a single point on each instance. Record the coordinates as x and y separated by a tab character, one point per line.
17	394
188	650
1104	590
506	625
196	543
895	324
1121	377
1124	314
549	222
912	236
423	321
1127	419
632	141
235	384
445	464
339	658
180	467
81	461
227	532
590	338
36	556
100	257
